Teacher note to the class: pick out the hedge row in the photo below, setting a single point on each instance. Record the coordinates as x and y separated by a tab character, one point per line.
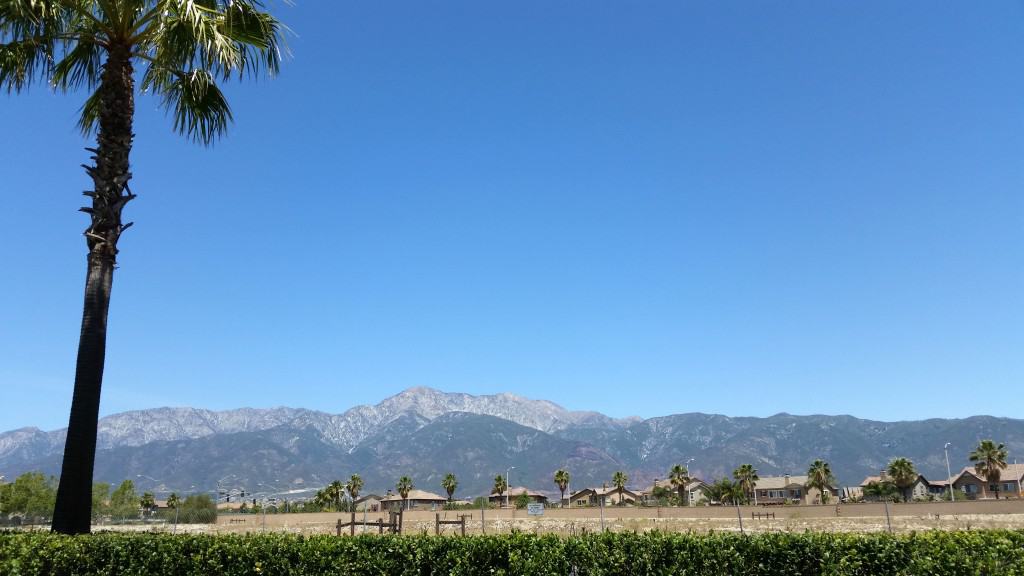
987	553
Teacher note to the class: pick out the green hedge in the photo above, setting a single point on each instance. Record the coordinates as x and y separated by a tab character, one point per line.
981	553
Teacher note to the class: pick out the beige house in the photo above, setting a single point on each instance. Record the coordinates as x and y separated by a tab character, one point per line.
417	500
369	502
610	496
975	486
695	491
513	493
789	489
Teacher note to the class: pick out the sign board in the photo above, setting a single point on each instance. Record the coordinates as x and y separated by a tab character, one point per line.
535	509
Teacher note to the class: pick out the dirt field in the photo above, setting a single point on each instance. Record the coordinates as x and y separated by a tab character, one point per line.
847	518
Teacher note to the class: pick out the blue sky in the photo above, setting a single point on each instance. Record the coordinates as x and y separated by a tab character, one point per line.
638	208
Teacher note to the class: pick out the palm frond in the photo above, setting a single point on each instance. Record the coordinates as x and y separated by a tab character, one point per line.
200	110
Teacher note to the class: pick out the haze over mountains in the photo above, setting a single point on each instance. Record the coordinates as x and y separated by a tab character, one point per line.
425	433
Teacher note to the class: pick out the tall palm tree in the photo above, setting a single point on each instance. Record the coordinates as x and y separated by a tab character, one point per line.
335	494
619	480
562	481
173	500
679	476
819	476
903	475
450	483
354	487
184	47
989	461
404	486
500	485
746	477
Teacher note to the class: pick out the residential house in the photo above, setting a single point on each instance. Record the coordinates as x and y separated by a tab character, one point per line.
368	502
919	490
513	493
417	500
610	496
788	489
695	491
974	485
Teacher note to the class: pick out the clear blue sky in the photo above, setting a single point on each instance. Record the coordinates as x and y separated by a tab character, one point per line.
639	208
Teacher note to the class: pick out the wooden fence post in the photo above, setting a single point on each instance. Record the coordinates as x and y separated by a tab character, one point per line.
338	527
352	525
463	518
437	524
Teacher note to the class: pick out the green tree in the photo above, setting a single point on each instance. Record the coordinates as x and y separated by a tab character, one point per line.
31	494
746	477
124	502
882	490
199	509
173	500
404	486
679	476
619	480
354	487
147	502
450	483
500	485
184	48
989	462
725	491
819	476
562	481
903	475
100	499
522	500
334	493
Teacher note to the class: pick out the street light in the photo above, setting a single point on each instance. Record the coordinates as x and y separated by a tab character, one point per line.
949	475
508	487
689	496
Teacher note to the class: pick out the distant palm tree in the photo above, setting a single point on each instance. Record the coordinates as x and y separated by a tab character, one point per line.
450	483
679	476
404	486
176	50
746	476
989	461
500	485
726	491
354	487
619	480
335	493
819	476
562	481
903	475
173	500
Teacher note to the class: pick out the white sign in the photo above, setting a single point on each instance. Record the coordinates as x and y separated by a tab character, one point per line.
535	509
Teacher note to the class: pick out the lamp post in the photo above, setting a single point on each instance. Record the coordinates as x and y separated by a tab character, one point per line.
508	485
689	496
949	475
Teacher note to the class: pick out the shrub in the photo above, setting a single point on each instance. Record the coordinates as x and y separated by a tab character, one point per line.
933	553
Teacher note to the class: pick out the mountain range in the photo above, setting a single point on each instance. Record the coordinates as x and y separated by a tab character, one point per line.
425	433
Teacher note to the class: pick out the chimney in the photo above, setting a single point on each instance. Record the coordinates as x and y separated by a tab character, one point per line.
883	475
787	479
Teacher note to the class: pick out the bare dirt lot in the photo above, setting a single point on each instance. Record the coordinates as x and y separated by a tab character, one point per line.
846	518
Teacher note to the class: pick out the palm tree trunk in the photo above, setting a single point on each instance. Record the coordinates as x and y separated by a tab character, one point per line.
110	176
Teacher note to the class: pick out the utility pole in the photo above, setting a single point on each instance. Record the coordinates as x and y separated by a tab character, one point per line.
949	475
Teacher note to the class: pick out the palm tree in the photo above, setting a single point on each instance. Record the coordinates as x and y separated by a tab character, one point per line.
885	490
725	491
746	477
404	486
819	476
679	476
173	500
450	483
562	481
335	492
354	487
184	47
903	475
500	485
619	480
989	461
